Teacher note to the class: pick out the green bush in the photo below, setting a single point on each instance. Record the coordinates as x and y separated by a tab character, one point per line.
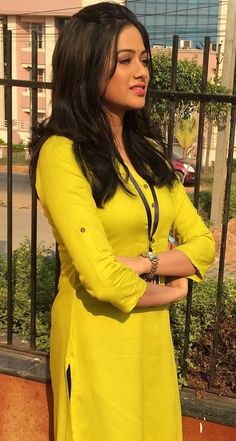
234	165
232	209
201	335
3	272
22	294
18	147
205	197
3	293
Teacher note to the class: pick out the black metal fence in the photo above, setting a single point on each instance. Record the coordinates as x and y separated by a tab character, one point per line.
173	97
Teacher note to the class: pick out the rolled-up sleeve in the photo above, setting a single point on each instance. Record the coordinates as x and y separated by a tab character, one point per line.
192	235
66	197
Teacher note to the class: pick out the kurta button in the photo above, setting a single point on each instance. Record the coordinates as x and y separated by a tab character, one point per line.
153	241
82	229
153	205
145	185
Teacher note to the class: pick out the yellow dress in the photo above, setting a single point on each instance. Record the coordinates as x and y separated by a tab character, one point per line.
123	374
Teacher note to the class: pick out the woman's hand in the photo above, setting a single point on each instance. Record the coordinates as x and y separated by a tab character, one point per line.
139	264
157	295
180	285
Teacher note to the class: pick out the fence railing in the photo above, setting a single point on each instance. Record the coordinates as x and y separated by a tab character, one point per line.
173	96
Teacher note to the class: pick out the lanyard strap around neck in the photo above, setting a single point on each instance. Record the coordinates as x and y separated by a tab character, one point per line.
151	228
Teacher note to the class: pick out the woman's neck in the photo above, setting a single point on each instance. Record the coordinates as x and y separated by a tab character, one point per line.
116	122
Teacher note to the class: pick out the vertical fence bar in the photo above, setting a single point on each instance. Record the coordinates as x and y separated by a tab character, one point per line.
219	292
201	120
34	118
57	269
187	326
9	189
173	89
196	194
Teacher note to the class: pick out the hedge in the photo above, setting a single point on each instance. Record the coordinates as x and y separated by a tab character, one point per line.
205	197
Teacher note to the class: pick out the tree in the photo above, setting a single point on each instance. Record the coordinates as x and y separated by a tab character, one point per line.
216	114
186	131
188	80
189	75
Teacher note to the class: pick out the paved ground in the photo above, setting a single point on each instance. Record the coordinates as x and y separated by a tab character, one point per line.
21	211
22	221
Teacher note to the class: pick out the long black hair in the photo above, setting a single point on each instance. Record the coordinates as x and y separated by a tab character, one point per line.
82	52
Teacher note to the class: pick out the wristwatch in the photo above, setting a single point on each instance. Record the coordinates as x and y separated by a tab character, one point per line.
154	259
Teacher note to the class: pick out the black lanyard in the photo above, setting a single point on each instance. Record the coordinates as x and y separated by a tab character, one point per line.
151	228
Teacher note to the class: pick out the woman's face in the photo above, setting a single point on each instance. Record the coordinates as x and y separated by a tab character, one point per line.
127	87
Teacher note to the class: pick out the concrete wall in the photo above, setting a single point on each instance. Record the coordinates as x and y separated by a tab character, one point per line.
26	414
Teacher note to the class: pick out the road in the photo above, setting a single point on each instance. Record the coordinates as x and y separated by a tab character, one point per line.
21	214
20	183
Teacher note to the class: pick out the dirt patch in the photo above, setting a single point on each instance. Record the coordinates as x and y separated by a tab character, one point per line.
230	251
201	354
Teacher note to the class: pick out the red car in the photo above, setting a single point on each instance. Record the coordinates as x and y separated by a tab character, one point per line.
184	169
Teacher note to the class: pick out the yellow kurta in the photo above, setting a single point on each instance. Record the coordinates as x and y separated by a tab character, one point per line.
123	375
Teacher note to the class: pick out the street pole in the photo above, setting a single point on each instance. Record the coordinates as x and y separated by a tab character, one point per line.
223	135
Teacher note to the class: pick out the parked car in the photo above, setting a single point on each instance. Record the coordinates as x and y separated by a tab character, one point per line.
184	169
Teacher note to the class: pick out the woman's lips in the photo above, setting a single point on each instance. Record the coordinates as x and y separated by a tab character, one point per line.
138	90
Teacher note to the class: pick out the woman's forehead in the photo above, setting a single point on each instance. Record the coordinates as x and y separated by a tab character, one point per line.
130	39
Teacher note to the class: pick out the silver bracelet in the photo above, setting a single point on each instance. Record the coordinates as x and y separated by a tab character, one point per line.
154	259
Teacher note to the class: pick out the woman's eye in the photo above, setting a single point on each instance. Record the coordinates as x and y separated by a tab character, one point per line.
125	60
145	61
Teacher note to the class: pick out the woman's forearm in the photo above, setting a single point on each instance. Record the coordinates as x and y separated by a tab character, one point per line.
175	263
171	263
157	295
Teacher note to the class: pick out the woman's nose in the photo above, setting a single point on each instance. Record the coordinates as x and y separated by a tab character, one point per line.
141	70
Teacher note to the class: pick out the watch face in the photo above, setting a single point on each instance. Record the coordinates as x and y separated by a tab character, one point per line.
151	255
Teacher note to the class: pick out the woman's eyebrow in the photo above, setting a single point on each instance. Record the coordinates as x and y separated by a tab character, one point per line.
132	51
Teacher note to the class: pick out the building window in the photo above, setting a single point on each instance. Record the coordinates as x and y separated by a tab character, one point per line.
40	29
41	77
190	19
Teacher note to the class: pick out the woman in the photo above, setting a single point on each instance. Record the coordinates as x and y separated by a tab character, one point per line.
112	198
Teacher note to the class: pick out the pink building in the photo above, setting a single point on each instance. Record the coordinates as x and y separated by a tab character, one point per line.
21	18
